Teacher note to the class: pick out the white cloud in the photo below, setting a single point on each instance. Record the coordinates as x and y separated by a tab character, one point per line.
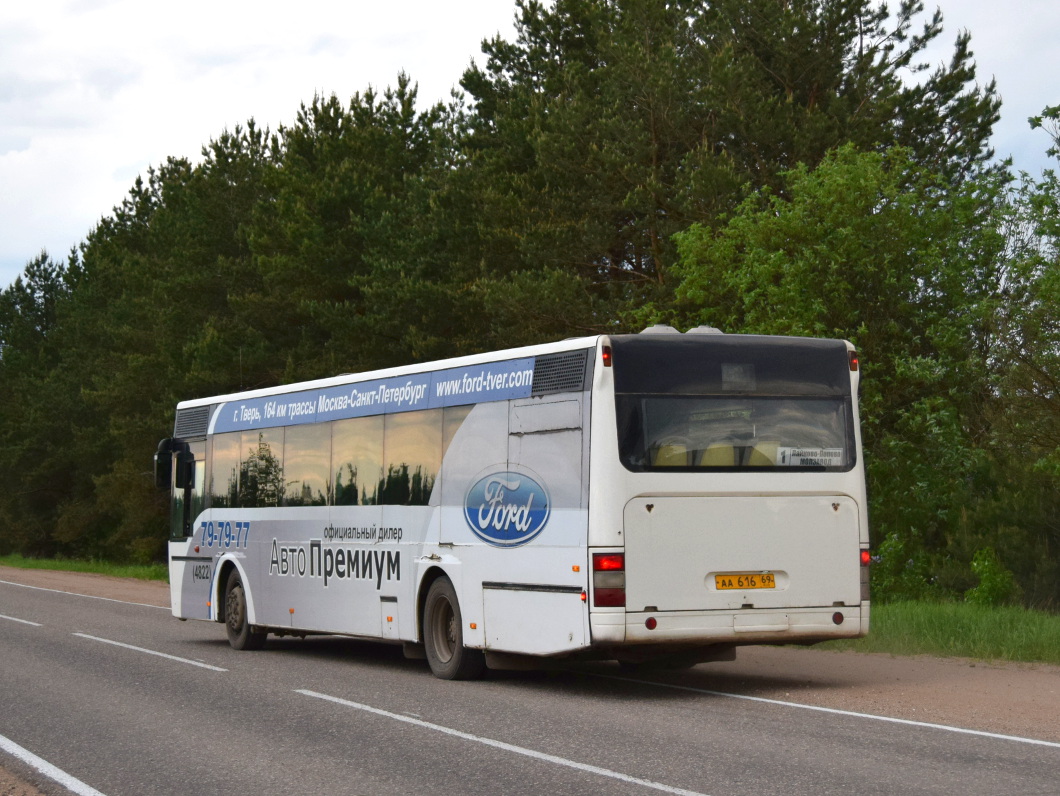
1016	46
93	93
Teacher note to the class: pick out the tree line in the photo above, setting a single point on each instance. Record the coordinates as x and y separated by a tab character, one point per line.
789	168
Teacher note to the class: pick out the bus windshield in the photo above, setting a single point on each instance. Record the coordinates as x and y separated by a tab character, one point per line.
729	403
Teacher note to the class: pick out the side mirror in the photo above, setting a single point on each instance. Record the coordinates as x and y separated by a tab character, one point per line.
185	469
164	464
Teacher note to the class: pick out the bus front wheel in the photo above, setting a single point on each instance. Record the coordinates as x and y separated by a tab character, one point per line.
443	636
241	635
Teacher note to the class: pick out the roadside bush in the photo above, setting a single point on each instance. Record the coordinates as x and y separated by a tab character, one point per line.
997	585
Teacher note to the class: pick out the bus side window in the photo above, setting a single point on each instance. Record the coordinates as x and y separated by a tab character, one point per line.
188	474
224	470
197	502
413	454
356	461
261	481
452	418
306	464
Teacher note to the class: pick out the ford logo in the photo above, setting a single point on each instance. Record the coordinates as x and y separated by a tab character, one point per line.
506	509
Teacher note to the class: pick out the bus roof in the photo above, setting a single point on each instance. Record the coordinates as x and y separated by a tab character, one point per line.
571	344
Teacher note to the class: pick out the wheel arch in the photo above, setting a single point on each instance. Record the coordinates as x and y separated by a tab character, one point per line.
428	579
224	571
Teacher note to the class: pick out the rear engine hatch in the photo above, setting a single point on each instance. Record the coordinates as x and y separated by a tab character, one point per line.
717	553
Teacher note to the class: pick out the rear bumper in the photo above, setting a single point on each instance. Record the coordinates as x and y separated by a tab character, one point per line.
757	626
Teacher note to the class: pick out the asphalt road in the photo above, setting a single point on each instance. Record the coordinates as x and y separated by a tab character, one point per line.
128	700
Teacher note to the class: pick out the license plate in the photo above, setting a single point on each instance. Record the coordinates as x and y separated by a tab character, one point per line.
756	580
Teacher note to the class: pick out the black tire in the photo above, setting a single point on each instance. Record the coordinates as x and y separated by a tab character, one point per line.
443	636
241	635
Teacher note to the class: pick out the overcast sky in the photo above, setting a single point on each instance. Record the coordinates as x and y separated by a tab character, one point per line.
93	92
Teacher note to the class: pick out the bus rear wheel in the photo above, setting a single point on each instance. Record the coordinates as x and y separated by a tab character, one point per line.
443	636
241	635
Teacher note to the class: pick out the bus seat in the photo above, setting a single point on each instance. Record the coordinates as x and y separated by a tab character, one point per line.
670	454
718	455
764	454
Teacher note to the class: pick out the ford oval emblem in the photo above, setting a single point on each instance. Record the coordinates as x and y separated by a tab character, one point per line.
506	509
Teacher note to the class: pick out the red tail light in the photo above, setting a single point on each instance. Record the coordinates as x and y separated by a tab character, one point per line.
605	356
866	559
609	580
853	360
609	562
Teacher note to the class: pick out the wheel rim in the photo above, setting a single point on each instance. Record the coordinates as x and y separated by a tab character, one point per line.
234	608
444	635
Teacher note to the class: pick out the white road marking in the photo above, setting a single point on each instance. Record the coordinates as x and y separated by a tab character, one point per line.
72	784
152	652
88	596
23	621
837	711
507	747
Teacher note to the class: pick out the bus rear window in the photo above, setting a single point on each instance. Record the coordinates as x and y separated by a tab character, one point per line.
731	433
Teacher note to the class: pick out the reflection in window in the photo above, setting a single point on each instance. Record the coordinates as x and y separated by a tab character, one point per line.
357	461
188	503
413	450
306	465
361	461
261	468
452	418
224	470
198	490
710	432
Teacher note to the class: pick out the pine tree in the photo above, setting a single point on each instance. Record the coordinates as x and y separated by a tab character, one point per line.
609	125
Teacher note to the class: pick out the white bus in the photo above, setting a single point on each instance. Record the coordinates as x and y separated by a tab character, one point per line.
656	499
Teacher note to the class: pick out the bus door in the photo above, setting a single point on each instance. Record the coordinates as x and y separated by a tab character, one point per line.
192	572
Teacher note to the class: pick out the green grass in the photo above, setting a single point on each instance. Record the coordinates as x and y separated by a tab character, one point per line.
960	630
140	572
